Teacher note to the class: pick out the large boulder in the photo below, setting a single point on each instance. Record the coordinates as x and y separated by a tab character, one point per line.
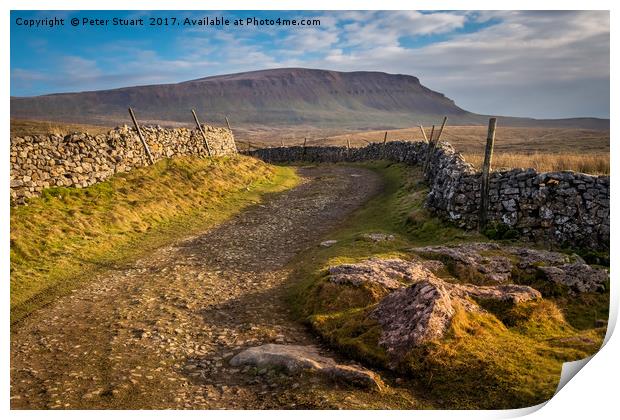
296	359
422	312
414	315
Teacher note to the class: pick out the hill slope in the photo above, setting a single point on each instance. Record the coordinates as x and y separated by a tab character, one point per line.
290	96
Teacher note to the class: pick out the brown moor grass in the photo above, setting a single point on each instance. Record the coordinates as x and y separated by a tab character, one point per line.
595	164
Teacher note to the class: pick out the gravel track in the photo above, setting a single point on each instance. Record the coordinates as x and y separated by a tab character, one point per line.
158	334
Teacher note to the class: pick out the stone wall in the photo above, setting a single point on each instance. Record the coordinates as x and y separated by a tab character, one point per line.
80	160
561	208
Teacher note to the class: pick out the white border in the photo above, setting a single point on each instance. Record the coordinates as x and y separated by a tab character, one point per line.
592	394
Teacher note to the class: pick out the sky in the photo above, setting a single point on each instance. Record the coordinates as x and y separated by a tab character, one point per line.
541	64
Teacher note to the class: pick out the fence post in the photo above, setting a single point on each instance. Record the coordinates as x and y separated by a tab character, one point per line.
383	147
231	133
144	144
443	124
423	133
431	147
204	136
486	169
303	154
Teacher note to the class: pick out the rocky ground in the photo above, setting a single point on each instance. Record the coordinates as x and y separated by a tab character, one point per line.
160	332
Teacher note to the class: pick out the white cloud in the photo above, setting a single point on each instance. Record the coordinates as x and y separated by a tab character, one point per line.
548	64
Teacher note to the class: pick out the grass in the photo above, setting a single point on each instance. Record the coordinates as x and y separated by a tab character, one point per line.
545	149
596	164
508	357
67	235
472	139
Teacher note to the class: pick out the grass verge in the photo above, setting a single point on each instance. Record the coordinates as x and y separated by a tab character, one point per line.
68	235
508	357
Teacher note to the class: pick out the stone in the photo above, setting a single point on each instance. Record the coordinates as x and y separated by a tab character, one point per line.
328	243
295	359
513	293
412	316
467	260
579	277
389	273
378	237
422	312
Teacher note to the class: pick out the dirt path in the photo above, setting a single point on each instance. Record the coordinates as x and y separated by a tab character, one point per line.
158	334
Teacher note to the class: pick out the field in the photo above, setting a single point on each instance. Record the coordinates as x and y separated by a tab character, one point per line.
20	128
162	277
545	149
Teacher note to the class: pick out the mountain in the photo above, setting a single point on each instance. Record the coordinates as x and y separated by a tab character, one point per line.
277	97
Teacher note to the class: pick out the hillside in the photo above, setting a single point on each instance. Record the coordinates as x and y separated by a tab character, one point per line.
276	97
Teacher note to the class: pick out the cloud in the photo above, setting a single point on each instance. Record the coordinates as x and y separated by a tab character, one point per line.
530	63
519	56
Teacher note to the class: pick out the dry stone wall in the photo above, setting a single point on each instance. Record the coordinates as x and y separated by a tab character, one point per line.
561	208
80	160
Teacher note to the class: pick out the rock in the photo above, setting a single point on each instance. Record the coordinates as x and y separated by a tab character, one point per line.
422	312
579	277
530	258
295	359
512	293
467	261
495	264
389	273
329	243
414	315
377	237
433	265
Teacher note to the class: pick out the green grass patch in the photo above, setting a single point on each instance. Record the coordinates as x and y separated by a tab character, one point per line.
508	357
68	234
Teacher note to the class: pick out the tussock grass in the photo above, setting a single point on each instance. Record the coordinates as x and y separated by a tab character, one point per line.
596	164
508	357
69	234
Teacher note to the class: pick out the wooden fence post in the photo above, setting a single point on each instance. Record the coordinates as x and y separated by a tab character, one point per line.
443	124
423	133
429	152
348	148
384	145
231	133
204	136
144	144
486	169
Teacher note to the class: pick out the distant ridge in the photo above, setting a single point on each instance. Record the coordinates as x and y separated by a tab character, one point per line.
277	97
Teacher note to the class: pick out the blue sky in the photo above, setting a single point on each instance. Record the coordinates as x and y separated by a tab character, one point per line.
538	64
